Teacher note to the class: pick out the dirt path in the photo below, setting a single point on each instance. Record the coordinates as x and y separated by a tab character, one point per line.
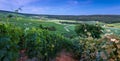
65	56
66	28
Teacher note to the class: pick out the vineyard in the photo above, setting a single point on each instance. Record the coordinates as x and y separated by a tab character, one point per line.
26	39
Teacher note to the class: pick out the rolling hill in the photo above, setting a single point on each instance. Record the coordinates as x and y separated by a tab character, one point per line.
101	18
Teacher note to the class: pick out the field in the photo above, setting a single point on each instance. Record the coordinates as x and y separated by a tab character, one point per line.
61	28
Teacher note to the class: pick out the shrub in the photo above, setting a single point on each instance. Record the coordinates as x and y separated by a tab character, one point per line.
50	28
9	38
37	43
86	30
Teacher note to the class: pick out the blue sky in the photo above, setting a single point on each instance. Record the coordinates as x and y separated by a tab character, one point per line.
63	7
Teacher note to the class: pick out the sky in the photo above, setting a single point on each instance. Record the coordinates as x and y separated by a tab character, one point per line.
63	7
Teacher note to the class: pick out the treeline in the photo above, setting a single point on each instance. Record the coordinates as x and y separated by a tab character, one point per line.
101	18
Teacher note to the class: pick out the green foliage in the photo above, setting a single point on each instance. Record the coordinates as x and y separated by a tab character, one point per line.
86	30
36	43
9	16
9	38
97	50
40	42
43	44
50	28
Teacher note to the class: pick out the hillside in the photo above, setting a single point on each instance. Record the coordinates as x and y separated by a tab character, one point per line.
101	18
31	37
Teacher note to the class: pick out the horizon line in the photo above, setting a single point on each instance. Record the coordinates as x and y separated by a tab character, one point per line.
58	14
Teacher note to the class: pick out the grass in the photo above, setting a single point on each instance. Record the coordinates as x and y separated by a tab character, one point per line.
31	22
115	25
35	23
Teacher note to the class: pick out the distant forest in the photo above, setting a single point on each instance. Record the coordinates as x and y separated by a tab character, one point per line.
101	18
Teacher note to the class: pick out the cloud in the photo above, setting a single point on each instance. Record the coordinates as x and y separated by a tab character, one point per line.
14	4
17	2
55	7
45	10
34	9
81	2
27	7
74	2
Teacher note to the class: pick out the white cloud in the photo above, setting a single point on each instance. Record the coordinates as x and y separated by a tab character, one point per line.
75	2
45	10
82	2
35	10
14	4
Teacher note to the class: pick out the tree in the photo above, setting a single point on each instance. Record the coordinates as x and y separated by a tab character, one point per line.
9	16
17	11
86	30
